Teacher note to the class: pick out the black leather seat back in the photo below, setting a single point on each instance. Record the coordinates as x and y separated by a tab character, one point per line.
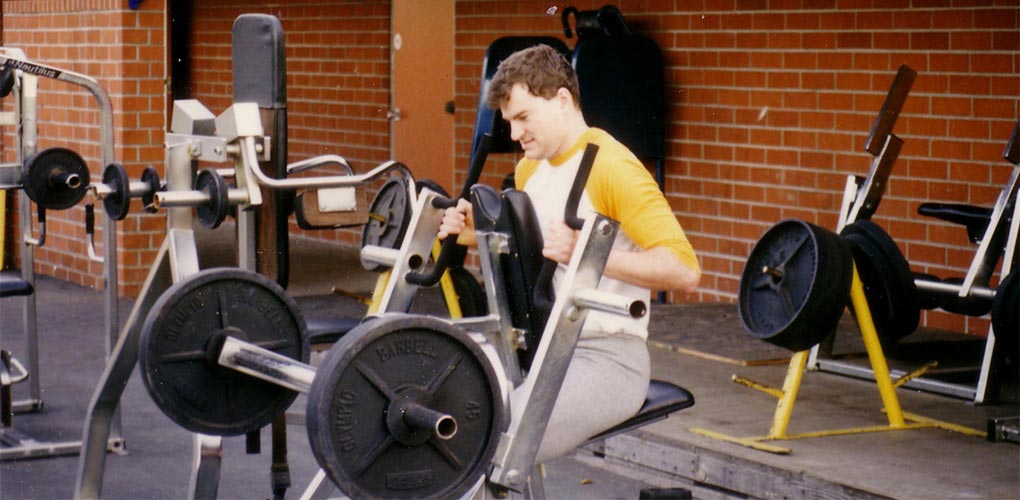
623	90
512	214
489	120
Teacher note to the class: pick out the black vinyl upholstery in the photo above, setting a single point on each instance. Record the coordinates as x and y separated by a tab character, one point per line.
11	285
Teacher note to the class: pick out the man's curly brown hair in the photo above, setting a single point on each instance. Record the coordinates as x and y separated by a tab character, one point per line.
541	68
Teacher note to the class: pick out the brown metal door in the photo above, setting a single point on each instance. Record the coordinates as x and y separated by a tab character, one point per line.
421	42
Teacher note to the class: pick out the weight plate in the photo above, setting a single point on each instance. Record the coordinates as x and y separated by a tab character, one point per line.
56	178
470	293
795	285
388	217
6	81
213	213
180	342
926	299
151	177
1005	310
887	280
377	369
117	203
967	306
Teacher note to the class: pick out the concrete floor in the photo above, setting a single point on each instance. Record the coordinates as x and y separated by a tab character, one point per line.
910	464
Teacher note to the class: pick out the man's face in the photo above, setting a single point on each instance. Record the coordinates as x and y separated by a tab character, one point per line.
536	122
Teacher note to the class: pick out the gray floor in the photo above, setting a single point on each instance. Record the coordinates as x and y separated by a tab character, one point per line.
690	346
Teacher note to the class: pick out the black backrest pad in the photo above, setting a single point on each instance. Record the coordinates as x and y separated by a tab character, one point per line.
623	90
259	61
488	120
511	213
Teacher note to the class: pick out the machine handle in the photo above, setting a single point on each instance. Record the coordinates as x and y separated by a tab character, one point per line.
449	245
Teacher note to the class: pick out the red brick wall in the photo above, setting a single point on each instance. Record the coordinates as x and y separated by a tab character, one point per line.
123	50
821	69
338	85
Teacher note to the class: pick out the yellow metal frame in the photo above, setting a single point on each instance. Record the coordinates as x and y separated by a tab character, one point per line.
898	419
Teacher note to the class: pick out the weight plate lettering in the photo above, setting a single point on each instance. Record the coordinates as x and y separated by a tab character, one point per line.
795	285
384	366
181	339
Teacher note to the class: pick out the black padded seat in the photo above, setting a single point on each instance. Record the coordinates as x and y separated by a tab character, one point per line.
512	214
663	398
328	330
12	285
975	219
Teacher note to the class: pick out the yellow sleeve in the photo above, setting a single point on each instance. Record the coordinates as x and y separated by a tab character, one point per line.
621	188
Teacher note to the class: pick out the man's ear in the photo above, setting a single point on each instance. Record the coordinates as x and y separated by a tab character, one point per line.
564	96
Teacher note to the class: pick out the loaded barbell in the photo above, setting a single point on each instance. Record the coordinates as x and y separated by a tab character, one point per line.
225	352
212	198
117	189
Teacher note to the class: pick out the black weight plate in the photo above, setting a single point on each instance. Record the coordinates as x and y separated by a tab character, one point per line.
432	185
151	177
968	306
117	203
6	81
388	217
888	282
213	213
394	357
795	285
180	342
56	178
470	293
1005	310
926	299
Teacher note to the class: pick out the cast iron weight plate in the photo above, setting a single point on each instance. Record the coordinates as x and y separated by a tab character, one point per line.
56	178
214	212
181	340
795	285
117	203
388	217
373	370
888	282
1005	311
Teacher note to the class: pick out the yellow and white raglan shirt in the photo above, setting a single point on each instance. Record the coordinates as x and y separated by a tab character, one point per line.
621	188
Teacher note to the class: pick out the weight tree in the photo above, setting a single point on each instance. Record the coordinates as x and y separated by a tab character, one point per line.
56	179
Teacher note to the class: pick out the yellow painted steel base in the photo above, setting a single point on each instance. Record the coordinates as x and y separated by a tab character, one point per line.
886	388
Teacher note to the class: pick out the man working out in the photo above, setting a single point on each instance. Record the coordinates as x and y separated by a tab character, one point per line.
537	91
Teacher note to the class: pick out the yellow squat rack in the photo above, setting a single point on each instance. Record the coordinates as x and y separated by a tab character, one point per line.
898	419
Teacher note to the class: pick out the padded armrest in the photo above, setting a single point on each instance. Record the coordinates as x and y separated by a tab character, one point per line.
11	285
975	219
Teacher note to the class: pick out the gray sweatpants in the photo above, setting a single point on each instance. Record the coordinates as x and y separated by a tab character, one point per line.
606	384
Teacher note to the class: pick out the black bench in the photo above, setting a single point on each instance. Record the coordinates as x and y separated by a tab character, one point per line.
12	285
